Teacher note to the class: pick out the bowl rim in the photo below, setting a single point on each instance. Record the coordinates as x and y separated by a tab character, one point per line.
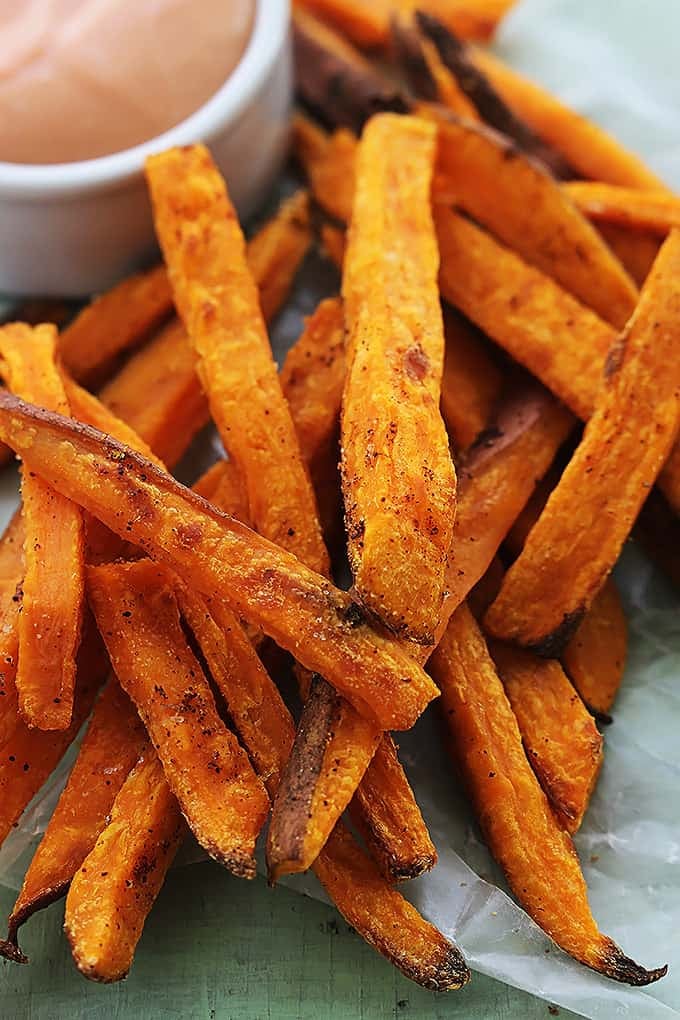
52	180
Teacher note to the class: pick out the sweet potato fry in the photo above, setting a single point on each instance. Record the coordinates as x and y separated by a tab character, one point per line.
209	773
252	700
217	299
312	380
114	889
49	624
586	147
482	97
398	480
276	251
573	546
635	249
560	737
213	553
471	382
111	746
87	408
497	478
115	322
595	658
536	854
28	756
329	164
313	376
526	209
536	321
654	211
319	780
334	79
166	367
385	811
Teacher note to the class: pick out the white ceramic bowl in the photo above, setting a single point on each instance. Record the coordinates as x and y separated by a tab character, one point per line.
73	229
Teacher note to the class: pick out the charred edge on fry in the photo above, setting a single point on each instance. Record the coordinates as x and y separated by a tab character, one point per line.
9	948
552	645
448	974
292	806
455	55
615	964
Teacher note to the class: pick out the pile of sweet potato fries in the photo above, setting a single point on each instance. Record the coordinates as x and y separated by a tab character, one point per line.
486	310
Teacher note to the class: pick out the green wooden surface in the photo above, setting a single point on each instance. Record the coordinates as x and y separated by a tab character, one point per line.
217	948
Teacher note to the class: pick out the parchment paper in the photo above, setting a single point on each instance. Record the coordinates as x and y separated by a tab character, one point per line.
615	60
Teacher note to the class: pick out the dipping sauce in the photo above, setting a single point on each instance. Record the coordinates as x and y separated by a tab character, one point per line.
85	78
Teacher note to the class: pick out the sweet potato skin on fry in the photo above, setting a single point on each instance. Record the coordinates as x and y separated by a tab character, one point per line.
536	854
399	483
576	541
482	98
53	585
518	201
218	301
305	810
111	746
590	150
334	79
114	889
560	737
209	773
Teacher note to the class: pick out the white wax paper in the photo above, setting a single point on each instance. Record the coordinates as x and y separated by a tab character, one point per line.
616	61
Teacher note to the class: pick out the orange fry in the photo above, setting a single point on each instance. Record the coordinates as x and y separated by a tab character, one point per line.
398	480
218	301
113	891
560	737
49	624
